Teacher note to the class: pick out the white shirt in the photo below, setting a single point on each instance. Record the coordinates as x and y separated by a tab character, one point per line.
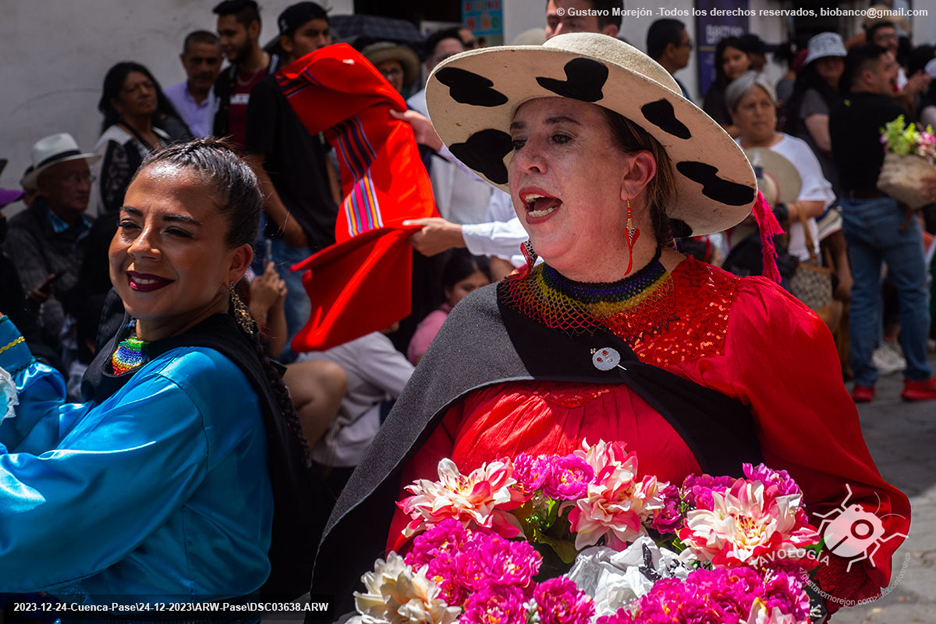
376	372
501	236
814	188
457	197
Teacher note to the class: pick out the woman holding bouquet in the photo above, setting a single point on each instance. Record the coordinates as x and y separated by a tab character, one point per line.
615	336
161	485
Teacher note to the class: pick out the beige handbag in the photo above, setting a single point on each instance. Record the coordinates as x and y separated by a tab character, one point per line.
812	283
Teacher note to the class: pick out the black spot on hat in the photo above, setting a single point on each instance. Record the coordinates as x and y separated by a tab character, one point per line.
584	80
661	115
679	228
713	187
484	152
467	87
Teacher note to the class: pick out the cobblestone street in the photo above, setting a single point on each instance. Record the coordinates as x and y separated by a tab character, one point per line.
902	439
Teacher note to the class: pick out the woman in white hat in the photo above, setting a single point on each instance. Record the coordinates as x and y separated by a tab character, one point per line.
815	93
615	336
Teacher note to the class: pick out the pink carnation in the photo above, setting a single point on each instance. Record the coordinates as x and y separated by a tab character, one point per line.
437	549
498	604
530	472
487	560
669	518
622	616
785	484
560	601
697	489
568	479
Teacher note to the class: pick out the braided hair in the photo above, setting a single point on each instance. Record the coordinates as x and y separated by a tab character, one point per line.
238	199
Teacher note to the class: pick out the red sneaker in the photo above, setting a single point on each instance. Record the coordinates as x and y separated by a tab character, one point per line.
863	394
919	390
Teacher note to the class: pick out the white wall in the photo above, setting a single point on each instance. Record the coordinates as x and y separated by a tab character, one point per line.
55	54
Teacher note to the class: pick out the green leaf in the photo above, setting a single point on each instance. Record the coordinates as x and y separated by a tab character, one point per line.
565	549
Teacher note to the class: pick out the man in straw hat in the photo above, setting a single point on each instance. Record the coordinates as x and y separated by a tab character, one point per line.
614	336
46	240
397	62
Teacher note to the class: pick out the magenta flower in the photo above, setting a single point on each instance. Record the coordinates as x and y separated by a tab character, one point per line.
487	559
436	548
785	592
498	604
668	519
697	489
769	477
568	479
622	616
530	472
560	601
737	595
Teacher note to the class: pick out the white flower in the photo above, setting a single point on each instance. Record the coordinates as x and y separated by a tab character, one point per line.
7	395
397	595
615	578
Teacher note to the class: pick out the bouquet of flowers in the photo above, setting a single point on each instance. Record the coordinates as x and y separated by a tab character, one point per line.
584	538
910	156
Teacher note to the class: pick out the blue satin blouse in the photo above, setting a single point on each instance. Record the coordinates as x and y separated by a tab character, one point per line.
159	492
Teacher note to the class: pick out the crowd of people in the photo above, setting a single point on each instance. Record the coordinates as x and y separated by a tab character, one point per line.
154	338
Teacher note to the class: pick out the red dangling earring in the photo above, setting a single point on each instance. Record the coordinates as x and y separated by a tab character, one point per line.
632	234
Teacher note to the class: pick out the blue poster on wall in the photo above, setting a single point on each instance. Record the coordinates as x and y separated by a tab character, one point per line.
715	20
483	17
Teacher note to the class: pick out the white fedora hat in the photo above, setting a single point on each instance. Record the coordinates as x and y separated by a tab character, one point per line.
52	150
473	97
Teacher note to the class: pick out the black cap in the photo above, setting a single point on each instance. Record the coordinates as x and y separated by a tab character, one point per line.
298	14
756	45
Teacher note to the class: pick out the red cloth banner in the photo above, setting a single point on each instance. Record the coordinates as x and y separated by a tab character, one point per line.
363	282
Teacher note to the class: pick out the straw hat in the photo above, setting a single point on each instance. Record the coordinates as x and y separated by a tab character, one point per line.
382	51
52	150
473	97
780	172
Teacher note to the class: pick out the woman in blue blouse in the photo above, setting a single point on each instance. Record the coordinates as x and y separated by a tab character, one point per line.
161	485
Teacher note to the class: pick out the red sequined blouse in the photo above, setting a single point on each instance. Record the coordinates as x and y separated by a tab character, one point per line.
746	338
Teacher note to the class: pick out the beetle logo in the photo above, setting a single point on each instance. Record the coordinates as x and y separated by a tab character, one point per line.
852	532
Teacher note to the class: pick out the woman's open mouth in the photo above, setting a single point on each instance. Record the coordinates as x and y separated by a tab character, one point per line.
538	203
144	282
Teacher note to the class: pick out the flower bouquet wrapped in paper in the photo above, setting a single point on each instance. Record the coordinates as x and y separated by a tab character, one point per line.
584	539
910	158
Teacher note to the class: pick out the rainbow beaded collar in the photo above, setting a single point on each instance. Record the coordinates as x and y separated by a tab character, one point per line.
633	308
129	354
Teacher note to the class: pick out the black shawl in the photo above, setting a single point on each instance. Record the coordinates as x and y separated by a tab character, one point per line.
482	343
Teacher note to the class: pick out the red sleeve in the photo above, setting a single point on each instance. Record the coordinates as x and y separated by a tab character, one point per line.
783	362
424	465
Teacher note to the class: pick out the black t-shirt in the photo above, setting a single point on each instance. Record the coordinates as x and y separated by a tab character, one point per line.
855	128
295	162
